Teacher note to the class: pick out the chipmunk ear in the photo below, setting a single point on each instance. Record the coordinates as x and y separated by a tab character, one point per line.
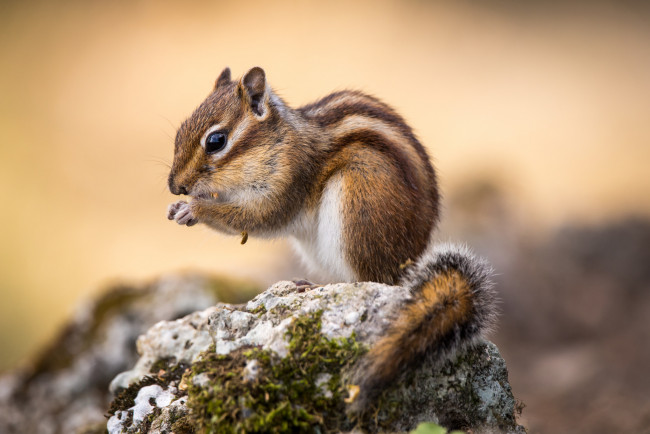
253	85
224	78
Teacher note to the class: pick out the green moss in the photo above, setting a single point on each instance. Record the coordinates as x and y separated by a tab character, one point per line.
163	364
384	412
432	428
183	425
280	311
285	396
259	310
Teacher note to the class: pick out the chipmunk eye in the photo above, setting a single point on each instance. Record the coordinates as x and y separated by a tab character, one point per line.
215	142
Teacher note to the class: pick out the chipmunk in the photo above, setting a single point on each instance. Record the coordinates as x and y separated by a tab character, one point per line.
347	181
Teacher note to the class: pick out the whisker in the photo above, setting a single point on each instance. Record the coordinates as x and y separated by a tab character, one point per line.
159	161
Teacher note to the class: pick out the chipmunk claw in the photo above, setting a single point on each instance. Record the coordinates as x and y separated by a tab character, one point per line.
180	212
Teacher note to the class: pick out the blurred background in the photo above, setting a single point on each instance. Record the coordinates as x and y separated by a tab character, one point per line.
537	115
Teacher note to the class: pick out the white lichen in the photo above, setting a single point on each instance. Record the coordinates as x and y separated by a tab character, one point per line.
148	398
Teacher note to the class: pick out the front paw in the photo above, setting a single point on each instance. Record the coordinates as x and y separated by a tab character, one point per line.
181	213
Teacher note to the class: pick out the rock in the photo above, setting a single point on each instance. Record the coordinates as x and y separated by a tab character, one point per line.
65	390
282	363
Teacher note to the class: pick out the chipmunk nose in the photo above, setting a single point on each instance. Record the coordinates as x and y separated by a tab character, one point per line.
176	189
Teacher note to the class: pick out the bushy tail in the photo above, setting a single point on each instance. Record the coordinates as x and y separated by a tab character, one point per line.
453	304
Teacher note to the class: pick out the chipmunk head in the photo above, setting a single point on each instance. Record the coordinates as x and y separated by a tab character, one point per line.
223	148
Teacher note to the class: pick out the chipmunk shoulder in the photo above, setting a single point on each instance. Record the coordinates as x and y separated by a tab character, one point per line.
348	182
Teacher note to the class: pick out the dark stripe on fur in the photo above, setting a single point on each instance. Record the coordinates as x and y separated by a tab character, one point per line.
366	106
378	141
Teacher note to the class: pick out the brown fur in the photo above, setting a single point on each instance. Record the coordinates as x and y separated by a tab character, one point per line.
390	199
448	292
451	307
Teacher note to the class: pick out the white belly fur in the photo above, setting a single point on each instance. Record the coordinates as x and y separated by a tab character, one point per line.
318	238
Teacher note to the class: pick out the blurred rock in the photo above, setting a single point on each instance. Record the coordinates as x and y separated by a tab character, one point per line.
65	390
575	308
576	324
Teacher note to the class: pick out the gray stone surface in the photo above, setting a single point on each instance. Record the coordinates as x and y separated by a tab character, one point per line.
65	388
471	390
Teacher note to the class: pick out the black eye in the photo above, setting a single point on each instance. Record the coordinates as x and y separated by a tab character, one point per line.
215	142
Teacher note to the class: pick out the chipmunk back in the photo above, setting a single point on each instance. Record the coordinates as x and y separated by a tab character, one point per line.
348	182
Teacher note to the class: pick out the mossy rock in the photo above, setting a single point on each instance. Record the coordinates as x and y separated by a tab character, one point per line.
282	363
